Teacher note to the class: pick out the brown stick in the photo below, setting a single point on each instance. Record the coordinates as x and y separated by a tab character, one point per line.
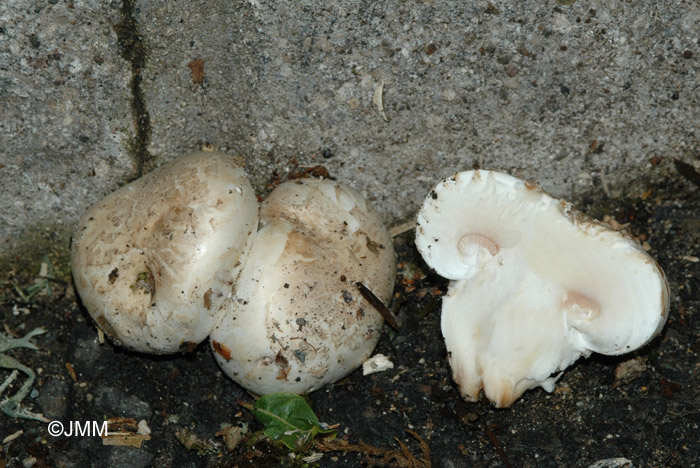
497	445
377	304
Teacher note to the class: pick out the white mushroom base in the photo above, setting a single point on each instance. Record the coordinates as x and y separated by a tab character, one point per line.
512	339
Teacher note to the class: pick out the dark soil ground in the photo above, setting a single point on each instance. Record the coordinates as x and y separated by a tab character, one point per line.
651	417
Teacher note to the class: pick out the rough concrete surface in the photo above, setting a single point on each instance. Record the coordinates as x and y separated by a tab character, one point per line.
527	86
65	112
572	96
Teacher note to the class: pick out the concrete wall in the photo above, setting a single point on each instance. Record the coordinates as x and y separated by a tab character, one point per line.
95	92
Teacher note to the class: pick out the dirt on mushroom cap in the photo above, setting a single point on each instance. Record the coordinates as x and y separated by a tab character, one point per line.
154	260
297	321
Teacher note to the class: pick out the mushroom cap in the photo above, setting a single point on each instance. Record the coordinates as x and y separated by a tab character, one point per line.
154	260
297	320
535	284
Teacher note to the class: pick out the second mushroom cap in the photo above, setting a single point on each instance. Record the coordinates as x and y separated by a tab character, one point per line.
298	321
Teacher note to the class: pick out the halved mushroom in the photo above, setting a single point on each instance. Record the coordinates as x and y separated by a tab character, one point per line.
297	320
535	284
154	260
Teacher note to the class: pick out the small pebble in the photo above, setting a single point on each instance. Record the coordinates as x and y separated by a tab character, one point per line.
612	463
376	363
143	428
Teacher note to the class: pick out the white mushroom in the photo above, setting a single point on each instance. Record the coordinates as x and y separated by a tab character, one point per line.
535	284
298	320
154	261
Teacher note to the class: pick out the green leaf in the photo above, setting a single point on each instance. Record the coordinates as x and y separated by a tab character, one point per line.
288	419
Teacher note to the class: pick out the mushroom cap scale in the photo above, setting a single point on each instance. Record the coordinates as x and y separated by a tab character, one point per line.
323	208
536	284
297	321
154	260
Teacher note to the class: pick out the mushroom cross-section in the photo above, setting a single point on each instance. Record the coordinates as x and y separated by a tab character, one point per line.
535	284
154	260
297	320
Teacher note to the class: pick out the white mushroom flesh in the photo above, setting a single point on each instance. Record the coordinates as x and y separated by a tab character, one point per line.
154	261
298	321
535	284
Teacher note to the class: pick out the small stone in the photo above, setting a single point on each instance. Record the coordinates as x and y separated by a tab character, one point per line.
522	50
430	49
511	70
612	463
687	54
377	363
143	428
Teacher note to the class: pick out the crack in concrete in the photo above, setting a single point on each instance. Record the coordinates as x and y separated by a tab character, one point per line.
131	48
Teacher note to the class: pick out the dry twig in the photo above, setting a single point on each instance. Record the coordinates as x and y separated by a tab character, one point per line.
497	445
402	458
